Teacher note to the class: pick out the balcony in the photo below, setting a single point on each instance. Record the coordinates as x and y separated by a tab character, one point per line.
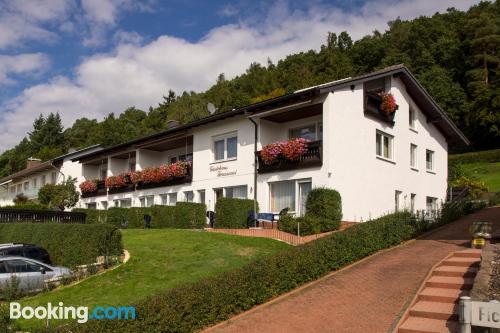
187	178
310	158
101	190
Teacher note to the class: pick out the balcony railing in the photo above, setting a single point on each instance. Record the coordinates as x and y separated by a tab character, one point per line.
310	158
101	190
101	187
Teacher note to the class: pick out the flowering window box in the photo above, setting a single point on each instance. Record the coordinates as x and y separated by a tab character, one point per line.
164	175
92	188
272	158
381	106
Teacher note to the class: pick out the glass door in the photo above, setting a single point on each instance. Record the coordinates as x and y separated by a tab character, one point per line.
304	189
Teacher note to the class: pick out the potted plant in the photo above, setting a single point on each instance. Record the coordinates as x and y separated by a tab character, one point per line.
88	186
388	104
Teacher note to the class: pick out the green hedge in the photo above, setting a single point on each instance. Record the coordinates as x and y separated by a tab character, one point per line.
195	306
184	215
480	156
67	244
323	213
27	206
233	213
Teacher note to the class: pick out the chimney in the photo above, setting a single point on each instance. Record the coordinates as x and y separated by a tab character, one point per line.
33	162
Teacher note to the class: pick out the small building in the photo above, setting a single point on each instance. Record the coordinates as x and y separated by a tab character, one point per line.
38	173
378	162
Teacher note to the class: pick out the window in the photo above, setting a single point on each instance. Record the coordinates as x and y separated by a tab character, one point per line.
131	166
201	196
397	200
186	157
12	189
104	205
147	201
172	199
116	203
103	172
44	180
306	132
26	186
173	159
19	188
413	156
219	193
429	160
188	196
282	195
3	269
225	147
304	188
236	192
431	203
412	202
34	182
384	143
22	266
126	203
413	118
53	177
91	205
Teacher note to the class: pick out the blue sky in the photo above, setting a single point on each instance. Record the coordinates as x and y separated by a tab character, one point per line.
92	57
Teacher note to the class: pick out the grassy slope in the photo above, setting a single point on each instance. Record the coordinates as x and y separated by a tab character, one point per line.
160	259
489	173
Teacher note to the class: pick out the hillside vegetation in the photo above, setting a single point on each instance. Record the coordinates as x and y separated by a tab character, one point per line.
455	55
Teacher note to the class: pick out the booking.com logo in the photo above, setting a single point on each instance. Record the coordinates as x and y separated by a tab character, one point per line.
81	314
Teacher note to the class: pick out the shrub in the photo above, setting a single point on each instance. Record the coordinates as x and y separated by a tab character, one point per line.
309	224
233	213
21	199
184	215
194	306
27	206
67	244
325	203
474	186
59	196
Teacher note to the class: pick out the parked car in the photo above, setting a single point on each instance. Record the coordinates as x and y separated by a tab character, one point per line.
31	274
31	251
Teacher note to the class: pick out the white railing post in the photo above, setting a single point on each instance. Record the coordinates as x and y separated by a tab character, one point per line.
465	311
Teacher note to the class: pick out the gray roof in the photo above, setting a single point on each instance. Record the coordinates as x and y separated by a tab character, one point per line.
425	102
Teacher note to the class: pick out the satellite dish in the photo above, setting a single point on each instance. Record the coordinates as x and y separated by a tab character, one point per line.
211	108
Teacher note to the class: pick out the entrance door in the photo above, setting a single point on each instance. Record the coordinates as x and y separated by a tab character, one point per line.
304	189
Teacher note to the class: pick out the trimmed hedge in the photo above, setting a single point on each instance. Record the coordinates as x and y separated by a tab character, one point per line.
67	244
323	213
184	215
480	156
233	213
195	306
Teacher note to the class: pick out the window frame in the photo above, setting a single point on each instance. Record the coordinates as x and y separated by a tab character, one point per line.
295	210
224	138
432	168
187	194
414	156
412	115
390	154
316	126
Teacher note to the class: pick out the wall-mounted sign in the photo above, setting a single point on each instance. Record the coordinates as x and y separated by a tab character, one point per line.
485	314
222	170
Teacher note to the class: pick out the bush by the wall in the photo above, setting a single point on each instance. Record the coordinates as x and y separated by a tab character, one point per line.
184	215
67	244
27	206
323	214
325	203
192	307
233	213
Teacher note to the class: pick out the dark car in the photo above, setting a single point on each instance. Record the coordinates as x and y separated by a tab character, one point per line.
31	251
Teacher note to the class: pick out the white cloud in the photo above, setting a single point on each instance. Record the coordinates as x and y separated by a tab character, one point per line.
135	74
22	64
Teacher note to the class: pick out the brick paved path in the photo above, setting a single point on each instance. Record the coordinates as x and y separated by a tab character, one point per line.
367	297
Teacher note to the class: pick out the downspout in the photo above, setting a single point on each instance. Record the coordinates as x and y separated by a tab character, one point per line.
256	160
58	170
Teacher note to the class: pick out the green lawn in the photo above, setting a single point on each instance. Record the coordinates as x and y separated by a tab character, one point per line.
160	259
489	173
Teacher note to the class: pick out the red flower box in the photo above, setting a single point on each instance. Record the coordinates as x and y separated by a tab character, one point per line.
291	150
88	186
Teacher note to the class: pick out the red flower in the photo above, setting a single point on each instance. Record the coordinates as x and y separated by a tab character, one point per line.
88	186
291	150
117	181
388	104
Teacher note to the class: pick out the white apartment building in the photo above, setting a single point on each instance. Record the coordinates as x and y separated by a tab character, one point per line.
29	181
377	163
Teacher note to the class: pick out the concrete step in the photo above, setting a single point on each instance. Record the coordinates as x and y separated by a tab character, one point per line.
470	253
435	310
425	325
443	295
461	261
449	282
457	271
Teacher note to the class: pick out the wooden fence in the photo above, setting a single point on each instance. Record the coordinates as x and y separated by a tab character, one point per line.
40	216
